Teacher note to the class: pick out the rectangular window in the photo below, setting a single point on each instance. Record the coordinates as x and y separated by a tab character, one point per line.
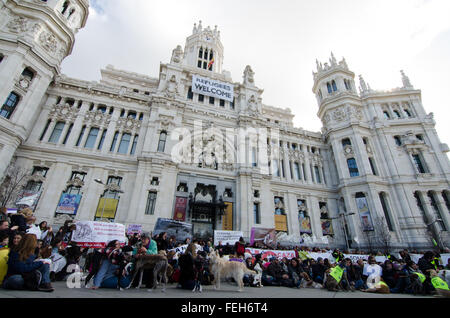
222	103
304	172
45	129
133	147
297	171
282	169
275	168
114	180
56	134
254	159
68	134
10	105
372	166
201	98
211	100
102	140
151	202
316	170
92	137
384	204
81	136
124	143
419	165
352	167
256	213
190	94
40	171
113	145
33	186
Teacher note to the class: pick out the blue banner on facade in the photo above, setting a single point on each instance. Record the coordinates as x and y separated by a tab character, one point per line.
68	204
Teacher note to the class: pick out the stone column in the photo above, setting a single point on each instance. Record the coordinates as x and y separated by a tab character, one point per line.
292	214
313	207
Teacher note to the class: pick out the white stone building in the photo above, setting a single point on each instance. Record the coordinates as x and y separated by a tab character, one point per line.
377	167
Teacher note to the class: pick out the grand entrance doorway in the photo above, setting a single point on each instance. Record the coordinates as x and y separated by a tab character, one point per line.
203	220
205	210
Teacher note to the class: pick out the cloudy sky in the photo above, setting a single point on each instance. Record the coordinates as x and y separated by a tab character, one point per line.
281	40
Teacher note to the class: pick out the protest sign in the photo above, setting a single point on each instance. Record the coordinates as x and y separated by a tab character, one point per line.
68	204
97	234
225	237
180	230
134	228
182	249
271	253
265	236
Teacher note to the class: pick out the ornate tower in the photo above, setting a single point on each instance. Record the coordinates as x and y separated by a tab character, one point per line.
35	37
203	49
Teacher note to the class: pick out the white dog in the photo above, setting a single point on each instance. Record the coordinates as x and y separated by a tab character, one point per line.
223	268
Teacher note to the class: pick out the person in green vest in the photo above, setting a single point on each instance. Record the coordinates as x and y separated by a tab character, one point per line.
338	256
337	275
439	284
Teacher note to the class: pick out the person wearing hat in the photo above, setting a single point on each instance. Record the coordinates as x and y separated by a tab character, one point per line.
239	247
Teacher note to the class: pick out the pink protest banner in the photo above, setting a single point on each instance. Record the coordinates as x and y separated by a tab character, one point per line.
271	253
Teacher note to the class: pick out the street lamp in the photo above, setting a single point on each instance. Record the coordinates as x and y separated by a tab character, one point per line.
341	216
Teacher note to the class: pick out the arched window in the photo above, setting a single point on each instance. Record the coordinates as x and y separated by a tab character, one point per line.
162	141
28	74
408	113
65	7
346	142
334	86
124	143
386	115
10	105
352	167
329	88
385	205
397	114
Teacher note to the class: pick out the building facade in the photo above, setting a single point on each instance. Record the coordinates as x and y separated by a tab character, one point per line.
195	146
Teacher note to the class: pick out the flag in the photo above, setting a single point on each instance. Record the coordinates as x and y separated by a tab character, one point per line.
28	200
211	63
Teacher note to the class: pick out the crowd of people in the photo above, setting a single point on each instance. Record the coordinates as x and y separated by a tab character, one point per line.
32	256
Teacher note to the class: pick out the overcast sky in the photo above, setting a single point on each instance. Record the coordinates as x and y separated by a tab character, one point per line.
281	40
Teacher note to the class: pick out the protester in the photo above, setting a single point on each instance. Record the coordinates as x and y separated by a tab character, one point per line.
22	268
187	270
4	252
239	247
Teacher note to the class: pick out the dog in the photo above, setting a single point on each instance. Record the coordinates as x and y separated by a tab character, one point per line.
332	284
307	282
222	268
257	279
158	263
439	292
416	285
375	285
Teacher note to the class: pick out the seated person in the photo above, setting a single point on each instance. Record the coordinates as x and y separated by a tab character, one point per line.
22	266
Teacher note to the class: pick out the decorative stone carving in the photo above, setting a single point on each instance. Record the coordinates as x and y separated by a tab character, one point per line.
128	124
98	118
48	41
249	76
171	89
177	55
64	113
76	182
18	25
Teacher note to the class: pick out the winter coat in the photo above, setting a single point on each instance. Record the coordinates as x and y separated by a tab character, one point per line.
17	267
19	220
187	272
4	252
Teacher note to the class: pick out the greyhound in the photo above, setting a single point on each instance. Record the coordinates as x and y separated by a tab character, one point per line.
159	264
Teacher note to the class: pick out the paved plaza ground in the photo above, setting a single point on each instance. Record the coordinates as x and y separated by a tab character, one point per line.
228	290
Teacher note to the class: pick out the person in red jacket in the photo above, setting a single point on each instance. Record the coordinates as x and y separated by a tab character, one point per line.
239	247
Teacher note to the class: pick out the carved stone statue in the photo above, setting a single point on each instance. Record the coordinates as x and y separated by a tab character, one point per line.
248	76
177	55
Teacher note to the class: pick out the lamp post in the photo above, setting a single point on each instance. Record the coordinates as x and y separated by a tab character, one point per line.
342	216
